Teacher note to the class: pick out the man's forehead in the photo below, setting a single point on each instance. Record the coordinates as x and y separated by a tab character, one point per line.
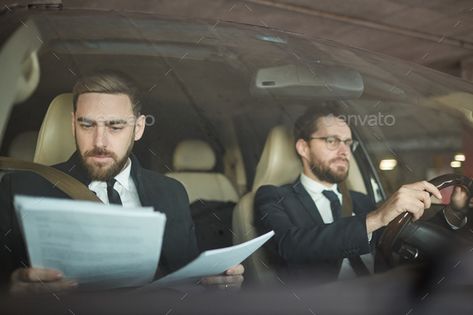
88	95
333	124
105	102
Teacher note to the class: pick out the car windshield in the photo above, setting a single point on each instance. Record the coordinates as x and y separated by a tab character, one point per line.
229	87
198	79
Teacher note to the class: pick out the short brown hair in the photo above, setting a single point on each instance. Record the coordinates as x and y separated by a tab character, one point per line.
307	123
108	82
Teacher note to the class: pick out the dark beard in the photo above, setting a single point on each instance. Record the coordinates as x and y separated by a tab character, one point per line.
325	174
97	172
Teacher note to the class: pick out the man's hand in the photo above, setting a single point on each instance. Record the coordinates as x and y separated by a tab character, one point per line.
456	212
231	279
459	199
413	198
35	280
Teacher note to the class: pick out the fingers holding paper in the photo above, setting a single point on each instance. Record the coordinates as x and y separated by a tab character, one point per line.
37	280
231	279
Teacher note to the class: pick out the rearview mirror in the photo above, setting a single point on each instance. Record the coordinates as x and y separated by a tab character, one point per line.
316	81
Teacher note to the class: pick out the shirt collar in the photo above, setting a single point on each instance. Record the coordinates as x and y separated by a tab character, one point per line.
314	187
123	178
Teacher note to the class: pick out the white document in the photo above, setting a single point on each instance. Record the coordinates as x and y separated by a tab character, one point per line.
214	262
104	246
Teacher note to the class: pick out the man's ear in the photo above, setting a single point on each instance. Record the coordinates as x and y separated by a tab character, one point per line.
302	148
73	120
140	127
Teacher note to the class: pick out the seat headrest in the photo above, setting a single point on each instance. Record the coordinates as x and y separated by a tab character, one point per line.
279	163
55	140
193	155
206	186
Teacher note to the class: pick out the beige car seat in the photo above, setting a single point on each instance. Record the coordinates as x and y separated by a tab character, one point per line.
55	142
193	164
278	165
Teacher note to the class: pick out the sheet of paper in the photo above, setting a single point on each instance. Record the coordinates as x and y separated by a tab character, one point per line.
214	262
98	245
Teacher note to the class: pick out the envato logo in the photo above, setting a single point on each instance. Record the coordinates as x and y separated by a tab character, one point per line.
150	120
371	120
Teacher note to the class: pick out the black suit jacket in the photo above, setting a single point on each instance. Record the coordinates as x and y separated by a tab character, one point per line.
303	244
165	194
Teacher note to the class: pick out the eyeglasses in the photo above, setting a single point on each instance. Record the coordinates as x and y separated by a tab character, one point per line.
333	142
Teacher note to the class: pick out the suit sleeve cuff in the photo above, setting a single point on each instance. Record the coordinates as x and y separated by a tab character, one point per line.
359	241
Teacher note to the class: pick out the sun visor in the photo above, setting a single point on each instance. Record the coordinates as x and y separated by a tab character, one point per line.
315	82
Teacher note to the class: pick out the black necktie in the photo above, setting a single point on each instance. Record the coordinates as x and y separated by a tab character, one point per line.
335	204
113	196
355	261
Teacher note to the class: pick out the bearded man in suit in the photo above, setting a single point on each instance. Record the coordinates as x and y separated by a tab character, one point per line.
106	121
313	239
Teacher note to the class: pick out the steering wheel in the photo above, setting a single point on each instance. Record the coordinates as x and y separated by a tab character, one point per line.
405	238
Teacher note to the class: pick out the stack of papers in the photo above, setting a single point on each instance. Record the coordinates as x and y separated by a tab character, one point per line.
109	246
101	245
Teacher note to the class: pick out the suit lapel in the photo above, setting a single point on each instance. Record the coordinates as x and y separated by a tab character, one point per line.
149	193
310	207
137	175
307	201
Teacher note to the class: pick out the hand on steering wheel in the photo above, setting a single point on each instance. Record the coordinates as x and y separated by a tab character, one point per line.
455	213
402	227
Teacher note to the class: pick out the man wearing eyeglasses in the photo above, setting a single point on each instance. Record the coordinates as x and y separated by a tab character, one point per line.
322	231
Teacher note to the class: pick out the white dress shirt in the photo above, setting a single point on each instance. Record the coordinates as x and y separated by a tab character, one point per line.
315	190
124	185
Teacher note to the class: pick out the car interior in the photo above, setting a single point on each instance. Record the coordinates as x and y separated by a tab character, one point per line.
220	105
